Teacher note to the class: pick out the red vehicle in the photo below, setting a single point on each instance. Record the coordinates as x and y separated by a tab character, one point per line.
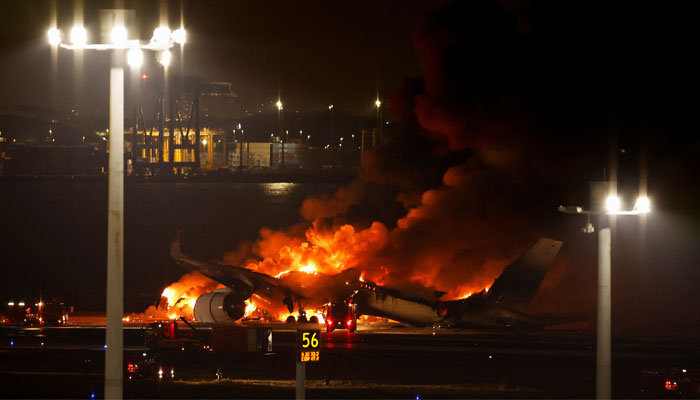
52	313
340	315
671	382
166	336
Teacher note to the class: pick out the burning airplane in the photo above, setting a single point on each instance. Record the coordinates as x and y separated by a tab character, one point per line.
239	291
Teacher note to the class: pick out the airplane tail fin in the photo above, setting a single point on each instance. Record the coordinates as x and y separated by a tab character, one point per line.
517	285
182	259
175	251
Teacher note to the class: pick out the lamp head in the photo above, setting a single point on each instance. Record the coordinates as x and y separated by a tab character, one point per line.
134	58
612	204
54	37
78	36
179	36
642	205
164	58
118	35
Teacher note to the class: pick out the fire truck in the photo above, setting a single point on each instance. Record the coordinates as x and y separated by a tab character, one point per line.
341	314
165	336
52	313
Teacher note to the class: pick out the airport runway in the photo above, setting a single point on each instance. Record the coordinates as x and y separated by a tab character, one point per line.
377	361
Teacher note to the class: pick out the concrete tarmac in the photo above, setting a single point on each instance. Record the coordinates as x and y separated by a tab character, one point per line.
378	361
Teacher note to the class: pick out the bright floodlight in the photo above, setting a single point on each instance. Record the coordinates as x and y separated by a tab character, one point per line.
279	105
330	107
378	103
161	35
612	203
180	36
642	205
78	36
164	59
118	35
134	57
54	37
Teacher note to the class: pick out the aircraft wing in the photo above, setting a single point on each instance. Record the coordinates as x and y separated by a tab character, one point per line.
229	275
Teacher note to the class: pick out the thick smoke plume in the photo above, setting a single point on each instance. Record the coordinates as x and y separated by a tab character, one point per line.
446	177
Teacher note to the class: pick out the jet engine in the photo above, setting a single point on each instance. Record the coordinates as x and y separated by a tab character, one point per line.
220	306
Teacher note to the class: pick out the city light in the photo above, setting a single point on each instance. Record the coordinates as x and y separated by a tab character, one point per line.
135	58
330	107
161	35
180	36
118	36
164	58
378	103
78	36
612	204
279	105
643	205
54	37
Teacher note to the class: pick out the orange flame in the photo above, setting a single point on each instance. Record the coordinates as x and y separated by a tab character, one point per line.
178	299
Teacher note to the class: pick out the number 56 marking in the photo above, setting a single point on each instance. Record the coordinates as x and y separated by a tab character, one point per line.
306	341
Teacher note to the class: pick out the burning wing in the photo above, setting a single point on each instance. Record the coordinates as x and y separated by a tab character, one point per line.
229	303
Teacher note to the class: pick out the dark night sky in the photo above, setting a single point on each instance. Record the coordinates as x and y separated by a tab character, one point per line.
314	52
534	98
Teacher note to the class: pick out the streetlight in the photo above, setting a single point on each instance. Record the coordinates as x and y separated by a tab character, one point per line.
331	111
280	121
161	42
78	36
613	206
54	36
379	117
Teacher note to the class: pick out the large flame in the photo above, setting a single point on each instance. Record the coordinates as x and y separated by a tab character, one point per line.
430	249
178	299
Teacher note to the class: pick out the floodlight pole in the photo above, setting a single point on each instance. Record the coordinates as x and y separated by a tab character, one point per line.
115	236
603	348
161	41
300	392
603	327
